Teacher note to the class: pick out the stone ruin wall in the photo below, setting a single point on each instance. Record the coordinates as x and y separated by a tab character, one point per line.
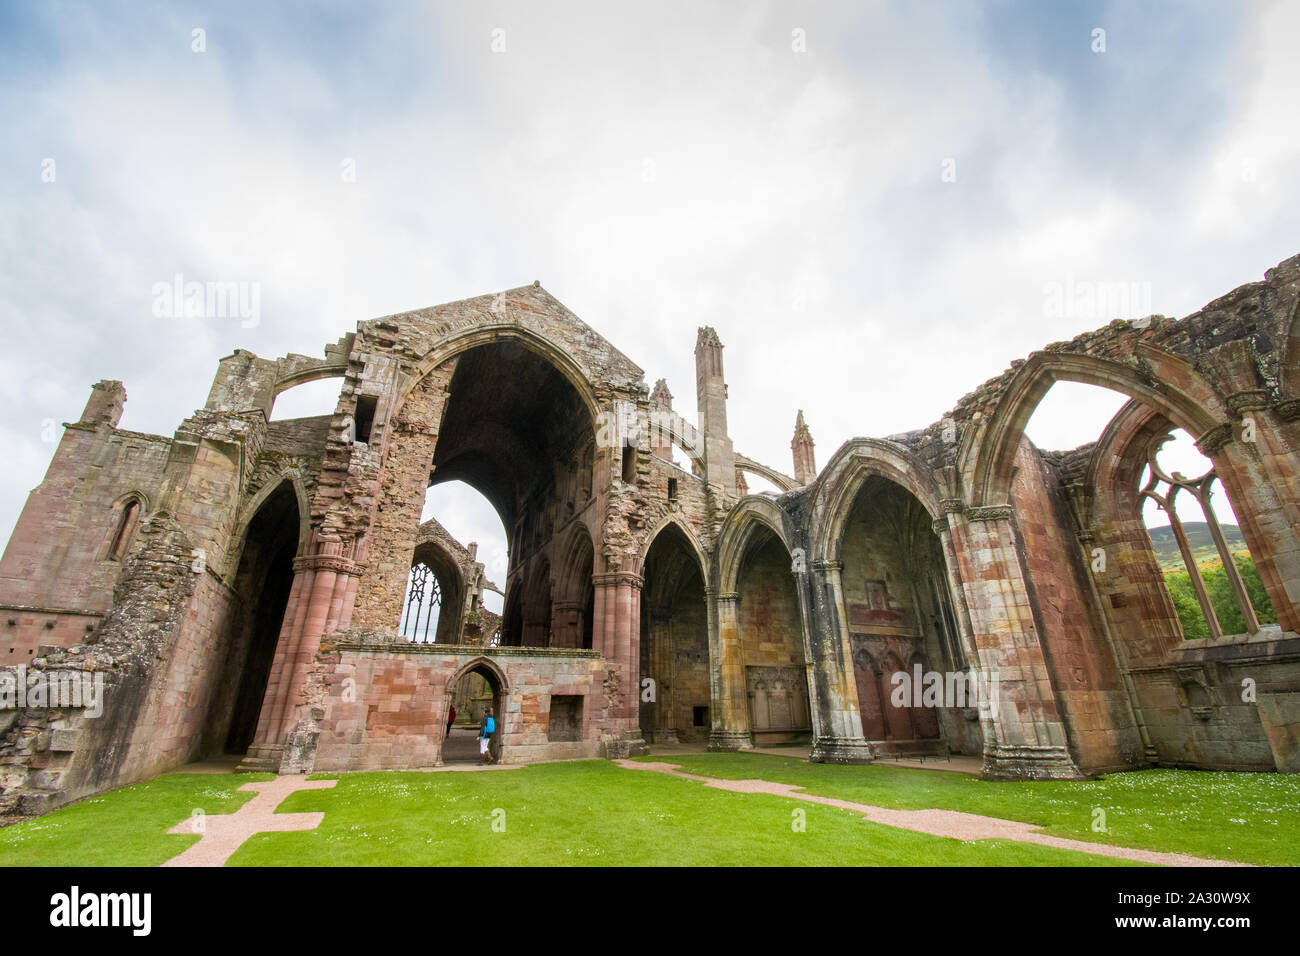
1073	698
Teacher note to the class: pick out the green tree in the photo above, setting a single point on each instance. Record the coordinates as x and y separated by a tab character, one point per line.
1219	589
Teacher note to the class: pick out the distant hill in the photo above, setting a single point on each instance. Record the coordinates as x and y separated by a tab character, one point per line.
1198	536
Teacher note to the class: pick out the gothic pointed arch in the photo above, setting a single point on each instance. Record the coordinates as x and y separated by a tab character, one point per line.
1157	378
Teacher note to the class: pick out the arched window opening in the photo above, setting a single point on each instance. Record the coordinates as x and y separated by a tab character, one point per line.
308	400
1208	570
755	484
423	605
1072	414
125	530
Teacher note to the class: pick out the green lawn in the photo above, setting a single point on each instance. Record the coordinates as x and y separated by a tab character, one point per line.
1246	817
127	827
596	813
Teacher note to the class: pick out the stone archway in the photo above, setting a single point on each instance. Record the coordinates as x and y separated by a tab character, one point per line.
261	586
478	684
674	641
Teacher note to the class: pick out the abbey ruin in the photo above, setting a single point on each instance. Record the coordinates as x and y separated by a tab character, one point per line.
245	586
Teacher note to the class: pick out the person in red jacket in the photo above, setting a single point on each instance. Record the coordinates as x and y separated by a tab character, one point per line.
451	718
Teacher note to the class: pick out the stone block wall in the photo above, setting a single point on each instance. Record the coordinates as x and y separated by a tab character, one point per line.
1084	673
387	704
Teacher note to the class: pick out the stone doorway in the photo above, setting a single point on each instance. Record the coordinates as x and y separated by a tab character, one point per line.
471	691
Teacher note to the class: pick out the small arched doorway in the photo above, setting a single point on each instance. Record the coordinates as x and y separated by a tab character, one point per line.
473	688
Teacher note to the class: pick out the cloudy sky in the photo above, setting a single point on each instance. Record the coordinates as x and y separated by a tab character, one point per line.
877	205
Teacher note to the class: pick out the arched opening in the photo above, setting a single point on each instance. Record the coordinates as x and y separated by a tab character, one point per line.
574	609
260	594
535	622
903	627
674	642
470	692
749	482
516	430
771	641
124	531
308	400
1205	563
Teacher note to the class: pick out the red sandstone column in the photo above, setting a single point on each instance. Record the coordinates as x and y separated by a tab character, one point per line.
308	641
294	617
633	648
605	594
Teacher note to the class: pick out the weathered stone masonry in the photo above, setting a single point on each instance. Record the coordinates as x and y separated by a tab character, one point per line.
239	585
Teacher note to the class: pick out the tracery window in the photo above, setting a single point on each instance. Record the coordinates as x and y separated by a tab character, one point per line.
423	605
1164	486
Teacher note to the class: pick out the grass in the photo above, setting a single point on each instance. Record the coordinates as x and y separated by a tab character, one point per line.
126	827
1245	817
596	813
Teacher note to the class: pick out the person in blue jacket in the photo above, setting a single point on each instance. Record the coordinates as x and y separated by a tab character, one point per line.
486	730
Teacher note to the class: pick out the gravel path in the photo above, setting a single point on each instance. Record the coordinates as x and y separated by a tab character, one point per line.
943	823
224	832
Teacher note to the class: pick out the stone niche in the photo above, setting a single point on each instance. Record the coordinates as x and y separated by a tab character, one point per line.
566	718
778	704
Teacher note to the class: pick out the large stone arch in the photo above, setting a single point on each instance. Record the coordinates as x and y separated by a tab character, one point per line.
739	525
1165	382
674	519
675	648
461	341
252	505
573	607
837	488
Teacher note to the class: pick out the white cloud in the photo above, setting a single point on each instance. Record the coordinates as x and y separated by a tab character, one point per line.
776	179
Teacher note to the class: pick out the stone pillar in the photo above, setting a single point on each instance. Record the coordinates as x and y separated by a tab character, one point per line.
828	661
662	660
729	710
618	636
1025	737
318	605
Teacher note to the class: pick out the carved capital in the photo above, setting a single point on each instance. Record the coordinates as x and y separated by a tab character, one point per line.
613	579
1248	400
1289	410
1212	442
328	562
939	526
952	506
